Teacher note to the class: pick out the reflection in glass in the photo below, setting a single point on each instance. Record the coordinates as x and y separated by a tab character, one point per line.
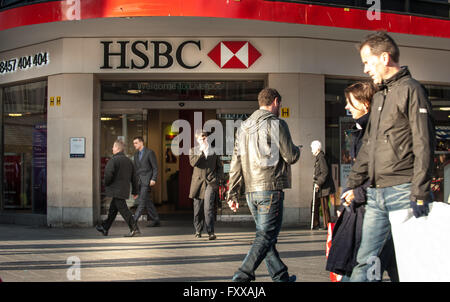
25	147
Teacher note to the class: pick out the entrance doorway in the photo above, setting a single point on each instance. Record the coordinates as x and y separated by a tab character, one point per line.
160	103
171	192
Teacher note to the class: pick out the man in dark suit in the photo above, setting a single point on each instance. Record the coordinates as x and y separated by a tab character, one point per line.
119	172
147	173
204	184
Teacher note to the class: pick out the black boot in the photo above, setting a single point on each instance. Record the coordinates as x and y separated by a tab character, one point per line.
101	229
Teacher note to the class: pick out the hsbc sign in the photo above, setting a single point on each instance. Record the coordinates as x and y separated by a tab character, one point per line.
160	54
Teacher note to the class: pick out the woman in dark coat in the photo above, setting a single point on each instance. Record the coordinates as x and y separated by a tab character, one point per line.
323	185
348	229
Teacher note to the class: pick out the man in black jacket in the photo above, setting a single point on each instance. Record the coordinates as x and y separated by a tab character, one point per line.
119	172
397	151
147	173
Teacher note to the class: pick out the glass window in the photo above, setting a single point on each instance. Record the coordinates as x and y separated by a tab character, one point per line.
228	138
440	101
25	147
182	91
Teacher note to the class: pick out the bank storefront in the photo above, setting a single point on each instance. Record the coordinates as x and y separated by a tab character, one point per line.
65	101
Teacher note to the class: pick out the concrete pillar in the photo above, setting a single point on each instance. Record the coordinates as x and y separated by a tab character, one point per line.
70	182
304	95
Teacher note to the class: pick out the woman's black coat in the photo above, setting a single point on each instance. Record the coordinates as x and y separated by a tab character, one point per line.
347	231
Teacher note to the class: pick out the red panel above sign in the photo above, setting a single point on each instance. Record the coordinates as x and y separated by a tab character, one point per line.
275	11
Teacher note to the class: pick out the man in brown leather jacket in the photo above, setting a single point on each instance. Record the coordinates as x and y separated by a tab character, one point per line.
261	159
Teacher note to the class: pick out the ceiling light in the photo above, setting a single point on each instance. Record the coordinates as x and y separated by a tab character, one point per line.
444	108
134	91
15	114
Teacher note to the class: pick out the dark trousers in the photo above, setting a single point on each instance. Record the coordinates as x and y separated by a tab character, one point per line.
204	211
118	205
267	210
323	202
145	202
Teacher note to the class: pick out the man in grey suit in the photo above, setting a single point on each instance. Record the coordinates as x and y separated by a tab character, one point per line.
147	173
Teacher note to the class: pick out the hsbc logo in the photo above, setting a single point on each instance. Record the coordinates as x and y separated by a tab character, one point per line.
160	54
234	54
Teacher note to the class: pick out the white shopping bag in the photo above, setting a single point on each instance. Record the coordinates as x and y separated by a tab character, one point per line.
422	245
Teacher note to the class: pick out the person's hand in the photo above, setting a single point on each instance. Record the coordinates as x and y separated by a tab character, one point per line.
202	142
419	208
316	187
135	196
233	204
348	196
152	183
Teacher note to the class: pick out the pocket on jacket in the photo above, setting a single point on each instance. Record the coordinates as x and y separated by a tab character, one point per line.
393	150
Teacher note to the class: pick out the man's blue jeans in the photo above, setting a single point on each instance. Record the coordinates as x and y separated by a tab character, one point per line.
267	210
377	228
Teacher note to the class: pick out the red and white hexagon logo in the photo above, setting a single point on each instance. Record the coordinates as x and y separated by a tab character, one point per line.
234	54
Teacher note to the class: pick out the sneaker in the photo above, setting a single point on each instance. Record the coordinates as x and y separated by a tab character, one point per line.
292	278
198	235
101	229
212	236
132	233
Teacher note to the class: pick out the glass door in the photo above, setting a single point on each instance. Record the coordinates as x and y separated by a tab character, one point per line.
124	126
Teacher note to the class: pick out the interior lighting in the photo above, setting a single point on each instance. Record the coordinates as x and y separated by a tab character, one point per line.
134	91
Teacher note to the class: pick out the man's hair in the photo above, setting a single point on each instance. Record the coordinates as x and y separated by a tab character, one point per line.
120	144
380	42
362	91
316	145
267	96
139	138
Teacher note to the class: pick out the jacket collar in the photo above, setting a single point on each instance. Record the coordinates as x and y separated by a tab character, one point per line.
363	120
403	72
253	123
119	154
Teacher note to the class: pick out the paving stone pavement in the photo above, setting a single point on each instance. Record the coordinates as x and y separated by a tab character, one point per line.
162	254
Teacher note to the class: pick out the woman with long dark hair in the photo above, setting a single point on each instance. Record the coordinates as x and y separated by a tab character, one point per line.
347	231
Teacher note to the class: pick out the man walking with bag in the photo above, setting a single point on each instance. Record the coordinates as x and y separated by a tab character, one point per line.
397	150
